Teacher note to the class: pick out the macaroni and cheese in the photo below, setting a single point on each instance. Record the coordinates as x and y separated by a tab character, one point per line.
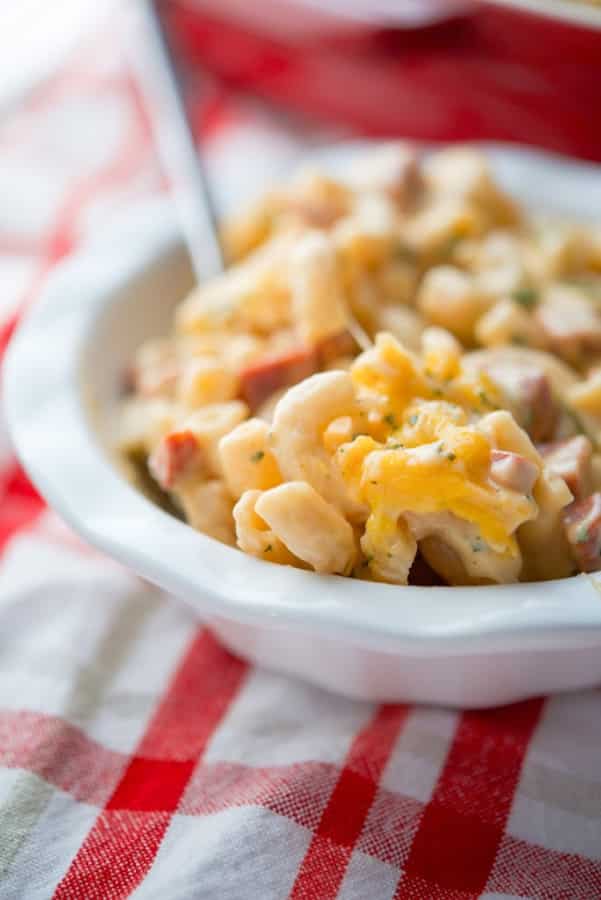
399	371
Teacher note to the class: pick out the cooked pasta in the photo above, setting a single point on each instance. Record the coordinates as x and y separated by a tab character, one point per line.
466	436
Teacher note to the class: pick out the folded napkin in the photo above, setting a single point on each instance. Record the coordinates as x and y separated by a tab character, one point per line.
137	756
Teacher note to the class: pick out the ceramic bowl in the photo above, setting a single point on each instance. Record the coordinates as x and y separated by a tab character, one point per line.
473	647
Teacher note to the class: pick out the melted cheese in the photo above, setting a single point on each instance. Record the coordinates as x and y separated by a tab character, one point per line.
389	374
427	455
427	482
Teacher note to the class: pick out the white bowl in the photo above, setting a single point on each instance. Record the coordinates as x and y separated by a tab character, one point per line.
463	646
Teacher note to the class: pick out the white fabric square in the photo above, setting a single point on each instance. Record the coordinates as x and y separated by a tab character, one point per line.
368	877
15	276
30	198
32	561
90	669
278	721
419	754
47	851
168	629
540	823
569	734
109	115
8	777
558	798
237	854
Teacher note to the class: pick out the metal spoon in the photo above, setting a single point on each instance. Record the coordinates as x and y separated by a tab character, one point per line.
177	148
181	160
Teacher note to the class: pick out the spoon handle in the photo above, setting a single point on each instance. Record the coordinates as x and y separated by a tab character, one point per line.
177	149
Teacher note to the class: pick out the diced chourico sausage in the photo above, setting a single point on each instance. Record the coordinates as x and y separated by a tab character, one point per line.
335	346
582	524
569	322
174	455
265	376
513	471
571	460
540	409
527	386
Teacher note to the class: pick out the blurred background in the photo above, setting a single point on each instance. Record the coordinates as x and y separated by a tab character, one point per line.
264	82
517	70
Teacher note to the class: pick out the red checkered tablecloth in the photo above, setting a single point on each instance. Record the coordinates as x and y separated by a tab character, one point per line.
139	757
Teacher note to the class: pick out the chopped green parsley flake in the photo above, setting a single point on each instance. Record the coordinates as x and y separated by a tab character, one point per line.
451	456
579	425
451	244
528	419
478	545
413	419
526	297
582	534
484	398
258	456
403	253
390	420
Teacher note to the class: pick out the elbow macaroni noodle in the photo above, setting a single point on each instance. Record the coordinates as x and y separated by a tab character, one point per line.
269	431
